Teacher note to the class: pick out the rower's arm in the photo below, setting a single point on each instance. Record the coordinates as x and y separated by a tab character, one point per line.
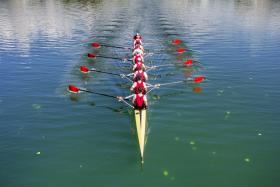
146	76
130	75
133	86
143	65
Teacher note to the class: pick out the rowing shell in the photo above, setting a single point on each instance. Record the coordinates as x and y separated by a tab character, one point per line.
141	125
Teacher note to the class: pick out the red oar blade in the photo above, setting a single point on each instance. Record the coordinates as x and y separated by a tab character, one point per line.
188	62
73	89
176	41
199	79
91	55
84	69
180	50
95	45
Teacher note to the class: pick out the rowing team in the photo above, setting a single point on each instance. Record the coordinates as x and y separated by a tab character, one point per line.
139	87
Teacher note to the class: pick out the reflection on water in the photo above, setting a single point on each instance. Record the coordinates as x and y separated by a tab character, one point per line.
21	21
24	21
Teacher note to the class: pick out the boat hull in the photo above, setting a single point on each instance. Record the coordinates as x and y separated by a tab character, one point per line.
141	125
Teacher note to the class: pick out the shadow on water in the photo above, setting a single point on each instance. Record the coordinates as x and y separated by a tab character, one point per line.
120	110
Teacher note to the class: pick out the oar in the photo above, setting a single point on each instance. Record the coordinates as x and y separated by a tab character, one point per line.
98	45
198	79
92	55
173	42
74	89
180	50
177	51
85	69
188	62
176	41
149	68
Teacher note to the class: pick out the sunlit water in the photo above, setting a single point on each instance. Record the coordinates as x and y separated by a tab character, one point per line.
222	132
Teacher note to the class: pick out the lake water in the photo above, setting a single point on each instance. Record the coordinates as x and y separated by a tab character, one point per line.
222	132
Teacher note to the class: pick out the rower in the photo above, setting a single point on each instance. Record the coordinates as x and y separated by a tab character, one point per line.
138	50
136	58
140	100
138	84
139	65
139	46
137	36
137	42
140	74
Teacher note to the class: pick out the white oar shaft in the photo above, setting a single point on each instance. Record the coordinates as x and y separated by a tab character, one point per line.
151	89
168	83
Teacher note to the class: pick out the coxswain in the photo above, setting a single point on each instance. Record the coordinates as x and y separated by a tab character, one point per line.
140	100
140	74
138	84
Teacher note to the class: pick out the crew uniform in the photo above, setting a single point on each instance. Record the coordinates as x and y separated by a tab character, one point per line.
137	42
140	74
137	36
140	101
139	46
136	58
138	50
138	84
139	66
